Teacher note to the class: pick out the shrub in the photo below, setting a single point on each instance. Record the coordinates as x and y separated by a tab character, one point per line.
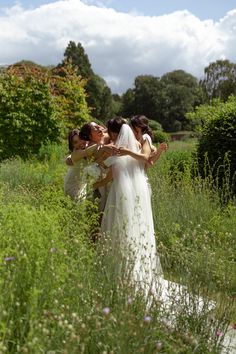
217	146
154	125
38	105
180	162
160	137
52	151
69	97
27	116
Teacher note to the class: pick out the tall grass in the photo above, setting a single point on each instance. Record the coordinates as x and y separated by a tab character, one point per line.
55	292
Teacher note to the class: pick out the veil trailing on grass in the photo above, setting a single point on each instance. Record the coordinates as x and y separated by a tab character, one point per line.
128	226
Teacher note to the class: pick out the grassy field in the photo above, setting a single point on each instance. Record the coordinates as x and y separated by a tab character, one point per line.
56	296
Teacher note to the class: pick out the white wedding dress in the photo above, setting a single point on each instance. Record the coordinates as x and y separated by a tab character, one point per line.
127	219
128	224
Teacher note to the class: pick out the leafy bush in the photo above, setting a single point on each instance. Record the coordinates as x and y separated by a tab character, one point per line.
50	151
217	146
69	97
27	116
160	137
154	125
180	164
38	105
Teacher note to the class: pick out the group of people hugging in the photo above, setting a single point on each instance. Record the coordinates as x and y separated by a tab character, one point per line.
115	158
90	147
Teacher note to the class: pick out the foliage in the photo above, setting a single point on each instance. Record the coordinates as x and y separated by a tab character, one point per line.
203	113
27	115
127	108
180	161
100	98
99	95
160	136
154	125
68	90
195	236
165	100
220	80
217	146
37	105
181	92
146	93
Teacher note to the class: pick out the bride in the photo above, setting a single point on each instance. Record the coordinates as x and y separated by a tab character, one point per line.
127	220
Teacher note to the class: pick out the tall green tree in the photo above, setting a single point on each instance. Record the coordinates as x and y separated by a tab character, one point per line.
180	93
143	99
127	108
219	80
76	55
147	97
99	96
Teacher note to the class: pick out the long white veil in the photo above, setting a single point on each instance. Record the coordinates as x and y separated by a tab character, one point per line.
127	139
128	215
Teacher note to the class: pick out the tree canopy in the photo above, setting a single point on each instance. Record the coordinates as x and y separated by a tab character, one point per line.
219	80
166	99
99	96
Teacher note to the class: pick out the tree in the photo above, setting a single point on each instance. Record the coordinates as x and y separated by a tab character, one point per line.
99	95
180	94
203	113
77	56
147	97
219	80
166	99
127	108
38	104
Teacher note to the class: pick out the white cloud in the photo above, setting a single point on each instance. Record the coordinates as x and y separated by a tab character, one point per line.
120	46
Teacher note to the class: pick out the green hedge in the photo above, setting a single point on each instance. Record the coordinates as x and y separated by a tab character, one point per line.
217	147
160	137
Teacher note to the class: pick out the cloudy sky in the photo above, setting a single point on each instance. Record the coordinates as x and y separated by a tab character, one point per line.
123	38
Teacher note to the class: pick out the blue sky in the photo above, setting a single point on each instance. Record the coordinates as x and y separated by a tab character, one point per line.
123	38
204	9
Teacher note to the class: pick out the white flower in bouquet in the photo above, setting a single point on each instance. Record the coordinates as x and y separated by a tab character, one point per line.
93	171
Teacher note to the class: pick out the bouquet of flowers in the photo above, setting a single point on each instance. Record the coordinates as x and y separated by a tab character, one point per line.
93	170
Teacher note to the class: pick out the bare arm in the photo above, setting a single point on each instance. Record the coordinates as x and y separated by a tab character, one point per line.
142	157
81	153
156	155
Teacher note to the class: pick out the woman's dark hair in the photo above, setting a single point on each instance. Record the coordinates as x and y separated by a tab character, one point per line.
85	132
114	125
70	138
141	121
